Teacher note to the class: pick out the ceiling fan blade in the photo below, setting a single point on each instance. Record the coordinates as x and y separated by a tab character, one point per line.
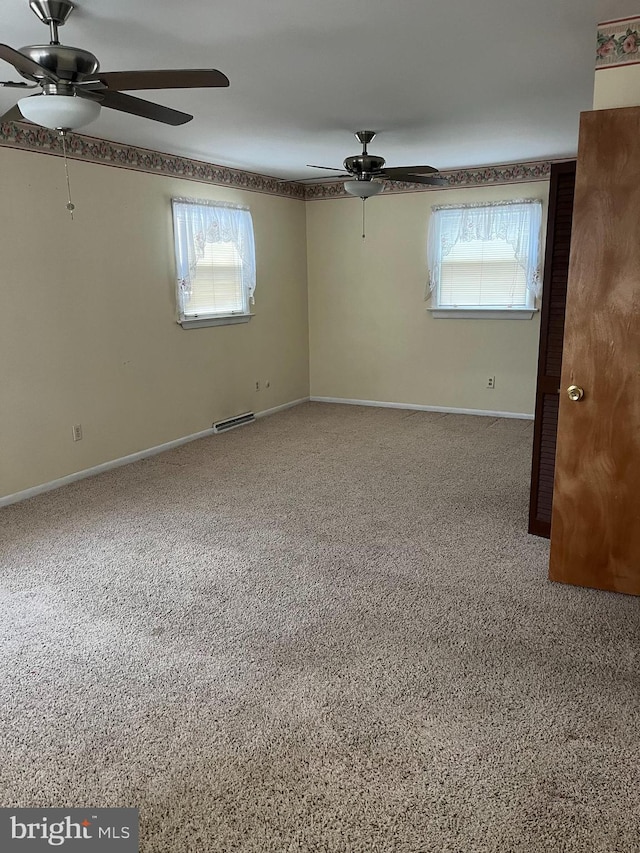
202	78
326	177
330	168
10	84
398	171
25	65
316	180
137	107
90	85
430	180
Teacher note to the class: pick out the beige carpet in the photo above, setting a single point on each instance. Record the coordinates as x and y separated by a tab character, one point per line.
327	631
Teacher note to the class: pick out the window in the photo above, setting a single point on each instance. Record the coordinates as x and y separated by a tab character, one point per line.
484	259
215	262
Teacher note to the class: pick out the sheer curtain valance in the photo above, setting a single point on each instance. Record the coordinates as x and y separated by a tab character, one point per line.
197	223
518	223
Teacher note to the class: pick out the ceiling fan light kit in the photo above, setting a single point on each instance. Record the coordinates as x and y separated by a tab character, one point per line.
363	188
59	112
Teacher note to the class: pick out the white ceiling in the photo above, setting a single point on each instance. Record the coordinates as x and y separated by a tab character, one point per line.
453	83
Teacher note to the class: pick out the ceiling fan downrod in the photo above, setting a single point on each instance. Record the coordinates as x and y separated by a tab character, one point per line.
54	13
364	137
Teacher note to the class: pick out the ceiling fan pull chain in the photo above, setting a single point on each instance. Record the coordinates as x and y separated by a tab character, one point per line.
70	205
363	201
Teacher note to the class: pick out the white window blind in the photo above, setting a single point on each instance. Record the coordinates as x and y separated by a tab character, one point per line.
218	287
486	274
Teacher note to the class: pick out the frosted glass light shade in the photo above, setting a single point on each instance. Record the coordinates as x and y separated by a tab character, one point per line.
61	112
363	189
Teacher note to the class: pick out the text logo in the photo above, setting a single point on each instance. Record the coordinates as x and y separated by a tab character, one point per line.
79	830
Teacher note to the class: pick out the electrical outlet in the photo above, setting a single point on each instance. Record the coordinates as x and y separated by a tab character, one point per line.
491	382
77	432
257	386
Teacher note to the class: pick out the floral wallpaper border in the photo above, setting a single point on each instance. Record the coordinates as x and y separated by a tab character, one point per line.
618	43
102	151
92	150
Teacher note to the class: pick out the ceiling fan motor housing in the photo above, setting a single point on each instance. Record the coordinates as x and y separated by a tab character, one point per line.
364	166
71	64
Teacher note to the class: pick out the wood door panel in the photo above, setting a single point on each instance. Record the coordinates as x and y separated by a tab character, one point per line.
595	531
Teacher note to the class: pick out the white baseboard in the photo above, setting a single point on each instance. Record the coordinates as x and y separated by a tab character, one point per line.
282	407
126	460
100	469
418	408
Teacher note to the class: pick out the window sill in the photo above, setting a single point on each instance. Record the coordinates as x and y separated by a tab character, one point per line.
482	313
223	320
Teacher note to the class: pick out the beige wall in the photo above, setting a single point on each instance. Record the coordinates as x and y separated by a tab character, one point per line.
87	319
617	87
371	337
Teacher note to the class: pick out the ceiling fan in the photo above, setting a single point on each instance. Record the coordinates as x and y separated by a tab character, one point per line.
367	171
73	89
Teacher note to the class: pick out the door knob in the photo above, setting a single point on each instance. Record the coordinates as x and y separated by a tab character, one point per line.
575	393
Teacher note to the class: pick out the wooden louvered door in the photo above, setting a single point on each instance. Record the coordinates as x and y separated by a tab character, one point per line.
595	525
554	294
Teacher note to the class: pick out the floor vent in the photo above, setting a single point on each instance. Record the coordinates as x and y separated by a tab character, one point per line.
232	423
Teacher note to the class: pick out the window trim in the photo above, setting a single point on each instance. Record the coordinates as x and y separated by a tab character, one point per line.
483	313
202	320
213	320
